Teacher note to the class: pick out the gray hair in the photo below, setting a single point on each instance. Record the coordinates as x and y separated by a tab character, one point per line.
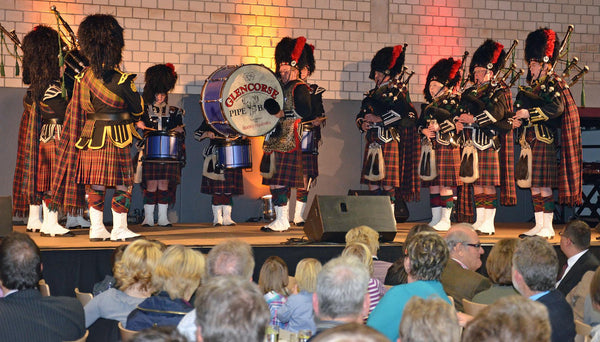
232	257
431	319
459	236
232	309
536	260
341	287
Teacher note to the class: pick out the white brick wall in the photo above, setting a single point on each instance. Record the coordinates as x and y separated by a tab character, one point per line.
198	36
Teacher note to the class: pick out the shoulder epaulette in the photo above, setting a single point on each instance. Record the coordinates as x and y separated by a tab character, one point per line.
124	76
52	92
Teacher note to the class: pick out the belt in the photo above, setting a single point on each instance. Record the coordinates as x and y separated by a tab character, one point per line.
49	121
109	116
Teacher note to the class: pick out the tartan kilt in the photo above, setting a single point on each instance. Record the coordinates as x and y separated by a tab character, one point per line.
544	163
233	183
288	170
158	171
310	165
447	159
391	159
46	163
108	166
489	168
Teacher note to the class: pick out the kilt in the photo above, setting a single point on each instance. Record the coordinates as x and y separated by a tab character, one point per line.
447	159
391	158
310	165
288	170
47	160
544	163
158	171
233	183
489	168
108	166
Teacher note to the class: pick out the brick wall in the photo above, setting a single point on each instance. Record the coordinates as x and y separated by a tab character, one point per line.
198	36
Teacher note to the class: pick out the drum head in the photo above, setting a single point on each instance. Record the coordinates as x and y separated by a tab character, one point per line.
243	96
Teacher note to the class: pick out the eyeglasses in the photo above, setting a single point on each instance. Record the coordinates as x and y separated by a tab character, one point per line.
476	245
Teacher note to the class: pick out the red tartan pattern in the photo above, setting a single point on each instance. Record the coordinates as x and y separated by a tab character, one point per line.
158	171
544	163
447	160
108	166
489	170
233	183
409	152
570	177
508	187
288	170
390	158
46	163
310	165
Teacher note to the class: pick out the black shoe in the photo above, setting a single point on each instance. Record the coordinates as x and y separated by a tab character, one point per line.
479	232
266	229
67	234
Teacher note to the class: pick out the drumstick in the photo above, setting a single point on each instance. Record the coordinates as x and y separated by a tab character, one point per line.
319	119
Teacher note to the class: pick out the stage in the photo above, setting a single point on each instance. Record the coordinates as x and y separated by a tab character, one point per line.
77	262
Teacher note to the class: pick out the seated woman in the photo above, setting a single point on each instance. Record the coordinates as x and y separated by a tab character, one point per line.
133	274
273	281
499	269
297	312
375	289
175	278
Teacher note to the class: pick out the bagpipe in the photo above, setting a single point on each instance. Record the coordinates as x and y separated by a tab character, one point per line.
17	46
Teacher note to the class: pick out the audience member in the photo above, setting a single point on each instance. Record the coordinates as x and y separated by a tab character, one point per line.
133	274
351	332
370	237
298	311
159	334
510	318
24	314
341	295
375	289
594	305
175	278
426	257
460	278
432	320
575	243
232	257
581	303
109	280
396	274
230	309
273	281
535	266
499	269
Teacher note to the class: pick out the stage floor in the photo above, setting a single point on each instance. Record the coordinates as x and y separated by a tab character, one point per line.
205	235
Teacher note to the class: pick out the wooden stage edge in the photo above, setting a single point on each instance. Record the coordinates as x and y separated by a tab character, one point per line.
205	235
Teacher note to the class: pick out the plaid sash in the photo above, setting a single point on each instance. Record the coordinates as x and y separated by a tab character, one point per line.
409	152
508	190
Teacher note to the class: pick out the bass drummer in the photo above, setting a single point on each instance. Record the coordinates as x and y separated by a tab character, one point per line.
160	179
281	165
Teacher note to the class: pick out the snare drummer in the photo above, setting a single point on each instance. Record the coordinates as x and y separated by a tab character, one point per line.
281	166
160	180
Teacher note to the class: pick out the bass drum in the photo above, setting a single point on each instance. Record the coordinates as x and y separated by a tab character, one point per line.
233	98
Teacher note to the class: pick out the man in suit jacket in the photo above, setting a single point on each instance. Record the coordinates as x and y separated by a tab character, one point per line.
535	265
459	278
24	314
575	243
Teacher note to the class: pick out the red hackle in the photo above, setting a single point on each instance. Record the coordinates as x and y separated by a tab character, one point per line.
395	54
300	41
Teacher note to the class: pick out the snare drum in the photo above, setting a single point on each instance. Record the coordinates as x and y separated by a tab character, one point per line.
233	98
234	154
162	147
309	140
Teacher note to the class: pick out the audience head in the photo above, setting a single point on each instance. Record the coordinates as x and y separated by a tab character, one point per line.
575	238
464	245
230	309
396	274
366	235
232	257
306	274
341	290
595	289
512	318
159	334
426	257
417	228
20	262
362	252
535	266
432	320
351	332
499	262
179	272
274	276
136	265
117	254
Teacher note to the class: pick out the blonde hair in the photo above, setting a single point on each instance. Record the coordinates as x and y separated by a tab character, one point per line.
136	264
179	272
274	276
366	235
431	319
306	274
362	252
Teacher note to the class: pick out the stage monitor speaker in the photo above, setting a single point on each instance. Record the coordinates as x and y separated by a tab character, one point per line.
401	212
5	216
331	217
